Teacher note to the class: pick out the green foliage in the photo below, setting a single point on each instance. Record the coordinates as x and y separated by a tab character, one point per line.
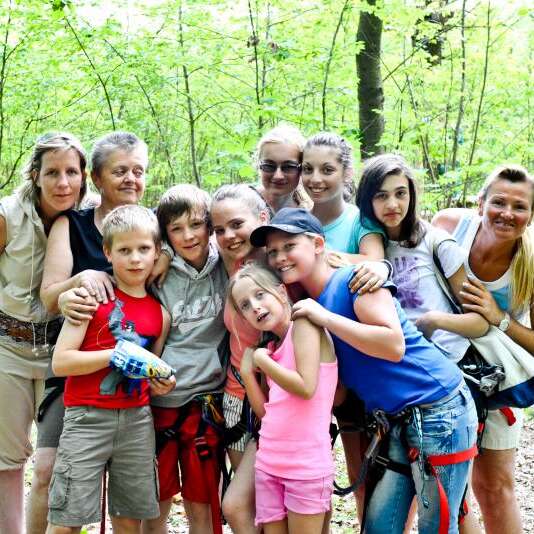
227	71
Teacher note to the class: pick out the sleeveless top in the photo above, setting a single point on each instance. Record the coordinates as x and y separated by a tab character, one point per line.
465	233
294	435
86	243
136	319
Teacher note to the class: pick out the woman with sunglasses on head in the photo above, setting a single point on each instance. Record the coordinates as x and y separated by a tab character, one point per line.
500	246
279	158
54	182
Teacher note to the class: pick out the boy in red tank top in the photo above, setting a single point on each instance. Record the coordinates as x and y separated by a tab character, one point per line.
108	419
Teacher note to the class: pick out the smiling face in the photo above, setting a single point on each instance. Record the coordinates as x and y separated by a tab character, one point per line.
132	255
278	183
264	310
59	181
507	208
293	256
391	203
322	173
189	237
122	177
233	222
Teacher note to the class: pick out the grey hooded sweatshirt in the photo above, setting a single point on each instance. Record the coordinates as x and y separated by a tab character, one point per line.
197	342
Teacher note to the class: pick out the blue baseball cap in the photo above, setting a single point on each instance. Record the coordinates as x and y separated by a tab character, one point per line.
289	220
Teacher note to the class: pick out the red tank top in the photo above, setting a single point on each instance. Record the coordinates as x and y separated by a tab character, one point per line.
136	319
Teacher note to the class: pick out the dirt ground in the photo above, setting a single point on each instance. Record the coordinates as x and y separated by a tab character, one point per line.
343	517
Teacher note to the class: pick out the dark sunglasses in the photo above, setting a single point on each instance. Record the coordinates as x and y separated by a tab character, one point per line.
289	169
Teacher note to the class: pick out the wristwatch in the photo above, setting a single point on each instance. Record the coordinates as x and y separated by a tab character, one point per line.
505	322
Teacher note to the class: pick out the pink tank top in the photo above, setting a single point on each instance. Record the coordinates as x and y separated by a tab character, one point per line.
294	435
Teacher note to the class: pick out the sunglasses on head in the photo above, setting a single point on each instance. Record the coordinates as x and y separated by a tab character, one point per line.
287	168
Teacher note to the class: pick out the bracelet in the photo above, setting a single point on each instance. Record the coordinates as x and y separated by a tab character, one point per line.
389	266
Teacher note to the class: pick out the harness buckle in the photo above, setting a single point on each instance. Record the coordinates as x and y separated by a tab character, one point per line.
202	448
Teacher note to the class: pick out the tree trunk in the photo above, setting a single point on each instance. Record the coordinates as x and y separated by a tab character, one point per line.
370	90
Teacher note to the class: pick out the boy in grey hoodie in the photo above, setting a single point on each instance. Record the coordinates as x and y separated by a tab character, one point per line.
194	294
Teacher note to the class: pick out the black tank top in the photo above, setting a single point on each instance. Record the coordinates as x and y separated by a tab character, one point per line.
86	242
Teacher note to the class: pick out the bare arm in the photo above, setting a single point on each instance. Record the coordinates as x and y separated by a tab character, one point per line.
69	360
378	333
162	386
302	381
468	324
255	394
448	219
157	349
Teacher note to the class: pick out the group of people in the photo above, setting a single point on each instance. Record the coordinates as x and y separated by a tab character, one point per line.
275	305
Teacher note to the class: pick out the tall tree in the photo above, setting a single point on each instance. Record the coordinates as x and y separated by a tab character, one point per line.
370	89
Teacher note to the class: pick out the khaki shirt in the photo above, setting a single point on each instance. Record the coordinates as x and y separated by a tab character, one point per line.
22	262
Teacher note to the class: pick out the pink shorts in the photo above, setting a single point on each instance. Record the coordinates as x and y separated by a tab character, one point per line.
276	495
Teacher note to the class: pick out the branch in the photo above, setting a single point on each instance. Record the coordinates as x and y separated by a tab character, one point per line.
481	98
102	82
329	62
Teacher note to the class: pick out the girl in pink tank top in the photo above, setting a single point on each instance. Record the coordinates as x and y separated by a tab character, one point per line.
294	466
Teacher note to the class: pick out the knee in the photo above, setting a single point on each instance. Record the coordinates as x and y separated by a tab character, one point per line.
199	513
494	488
232	509
42	473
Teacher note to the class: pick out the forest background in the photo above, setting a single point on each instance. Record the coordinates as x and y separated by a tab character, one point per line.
447	83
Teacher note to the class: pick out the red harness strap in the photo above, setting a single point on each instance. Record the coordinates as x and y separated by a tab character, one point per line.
434	460
510	417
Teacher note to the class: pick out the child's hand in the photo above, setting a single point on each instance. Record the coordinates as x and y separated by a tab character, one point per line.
162	386
312	310
261	356
247	367
427	323
368	276
160	270
77	305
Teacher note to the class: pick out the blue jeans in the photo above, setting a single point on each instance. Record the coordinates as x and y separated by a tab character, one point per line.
444	427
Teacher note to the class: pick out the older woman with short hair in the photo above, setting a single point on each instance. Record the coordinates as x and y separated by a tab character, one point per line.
54	181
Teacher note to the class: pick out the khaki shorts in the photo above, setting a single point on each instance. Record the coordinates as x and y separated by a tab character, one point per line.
91	438
498	435
232	407
19	400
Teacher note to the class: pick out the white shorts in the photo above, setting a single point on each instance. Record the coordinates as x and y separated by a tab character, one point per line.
498	434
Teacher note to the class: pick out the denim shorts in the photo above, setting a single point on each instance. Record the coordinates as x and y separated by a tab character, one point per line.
444	427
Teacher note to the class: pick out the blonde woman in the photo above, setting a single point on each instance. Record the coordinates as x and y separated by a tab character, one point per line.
500	288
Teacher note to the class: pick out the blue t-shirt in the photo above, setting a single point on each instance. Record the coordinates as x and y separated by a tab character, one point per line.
345	233
424	375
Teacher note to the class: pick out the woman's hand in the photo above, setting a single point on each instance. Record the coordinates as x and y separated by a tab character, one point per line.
311	309
368	276
98	283
477	298
161	386
160	270
427	323
77	305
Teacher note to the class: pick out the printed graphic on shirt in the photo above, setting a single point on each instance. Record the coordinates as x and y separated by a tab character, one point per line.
187	315
127	332
406	278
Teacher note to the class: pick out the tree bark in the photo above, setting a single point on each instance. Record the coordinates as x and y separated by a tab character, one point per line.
370	90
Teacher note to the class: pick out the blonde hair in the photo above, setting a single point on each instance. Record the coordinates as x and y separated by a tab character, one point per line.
129	218
522	286
47	142
262	276
285	134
